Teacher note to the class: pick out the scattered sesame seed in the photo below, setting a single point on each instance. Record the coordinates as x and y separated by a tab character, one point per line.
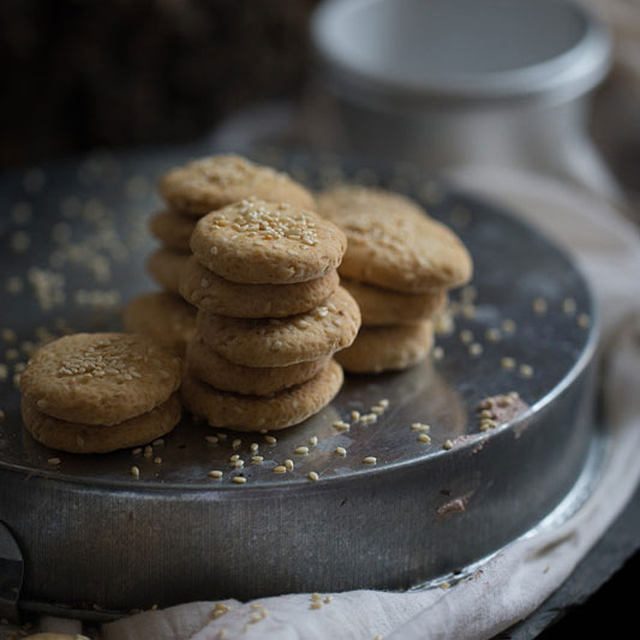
341	451
313	476
316	597
221	435
238	464
368	418
135	472
239	479
448	444
377	410
475	349
253	447
569	306
493	335
215	473
423	437
384	403
328	599
444	585
288	463
211	439
148	452
526	370
540	306
466	336
584	320
355	417
270	439
418	426
438	353
234	457
157	460
340	425
158	443
509	326
236	443
280	469
54	462
370	460
303	451
137	451
257	459
315	605
313	441
508	363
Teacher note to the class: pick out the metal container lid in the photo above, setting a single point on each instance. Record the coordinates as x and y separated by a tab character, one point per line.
460	50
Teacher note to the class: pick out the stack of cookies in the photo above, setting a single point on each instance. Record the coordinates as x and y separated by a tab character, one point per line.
98	392
399	265
190	192
271	315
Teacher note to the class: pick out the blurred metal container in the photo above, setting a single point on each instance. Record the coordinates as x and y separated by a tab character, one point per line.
449	82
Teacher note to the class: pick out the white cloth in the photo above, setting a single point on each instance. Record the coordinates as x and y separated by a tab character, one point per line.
516	581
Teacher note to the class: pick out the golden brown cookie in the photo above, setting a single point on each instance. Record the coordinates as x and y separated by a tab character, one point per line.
252	413
163	316
258	242
165	267
394	347
279	342
207	184
214	294
204	364
100	378
384	307
393	243
173	230
75	437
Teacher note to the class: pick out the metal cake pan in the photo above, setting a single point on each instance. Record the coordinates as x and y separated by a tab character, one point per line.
92	536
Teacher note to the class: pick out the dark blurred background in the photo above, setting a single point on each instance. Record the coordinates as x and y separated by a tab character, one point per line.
81	74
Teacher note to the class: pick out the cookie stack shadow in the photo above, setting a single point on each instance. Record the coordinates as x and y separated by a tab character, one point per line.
398	266
271	315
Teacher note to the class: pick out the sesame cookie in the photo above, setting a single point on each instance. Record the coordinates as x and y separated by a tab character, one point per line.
252	413
75	437
172	229
393	243
210	183
210	292
165	266
380	306
163	316
279	342
206	365
379	349
258	242
100	378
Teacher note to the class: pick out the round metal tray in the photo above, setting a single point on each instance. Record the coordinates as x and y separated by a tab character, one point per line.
92	535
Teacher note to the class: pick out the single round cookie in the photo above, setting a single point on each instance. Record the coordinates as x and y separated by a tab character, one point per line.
393	243
207	184
163	316
75	437
394	347
165	267
384	307
279	342
173	230
252	413
208	291
100	378
258	242
206	365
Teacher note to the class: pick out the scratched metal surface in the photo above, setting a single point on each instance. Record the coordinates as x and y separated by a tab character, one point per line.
85	223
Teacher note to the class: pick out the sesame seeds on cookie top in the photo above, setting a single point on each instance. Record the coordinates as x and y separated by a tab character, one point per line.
393	243
259	242
216	181
100	378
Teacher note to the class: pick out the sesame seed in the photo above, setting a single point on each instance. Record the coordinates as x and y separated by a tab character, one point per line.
157	460
569	306
486	413
234	457
493	335
137	451
280	469
303	451
211	439
313	476
466	336
316	597
239	479
254	447
288	463
148	452
438	353
313	441
355	417
418	426
238	464
475	349
370	460
158	443
539	306
377	410
341	451
135	472
369	418
341	425
257	459
221	435
448	444
315	605
583	320
328	599
508	363
54	462
270	439
509	326
215	473
423	437
236	443
526	370
384	403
